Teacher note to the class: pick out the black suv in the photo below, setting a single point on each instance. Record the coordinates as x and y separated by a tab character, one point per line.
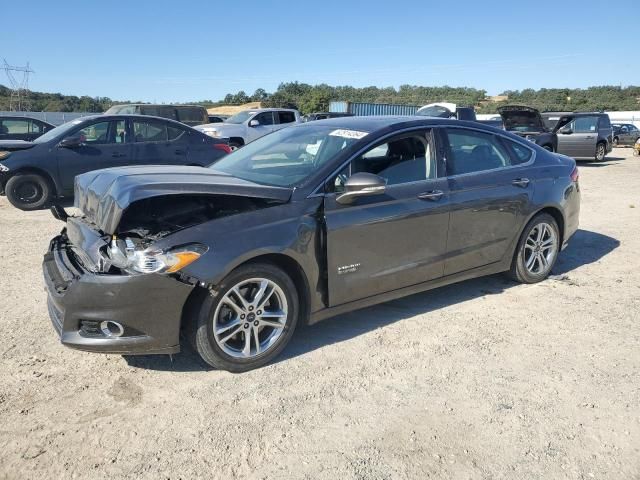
191	115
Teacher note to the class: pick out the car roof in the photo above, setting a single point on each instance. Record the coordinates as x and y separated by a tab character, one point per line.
127	115
22	117
152	105
373	123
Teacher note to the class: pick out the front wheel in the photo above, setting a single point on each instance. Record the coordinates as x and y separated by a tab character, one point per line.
249	319
28	191
537	250
601	151
616	141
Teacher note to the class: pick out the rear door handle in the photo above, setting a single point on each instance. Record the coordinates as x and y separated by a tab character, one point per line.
433	195
521	182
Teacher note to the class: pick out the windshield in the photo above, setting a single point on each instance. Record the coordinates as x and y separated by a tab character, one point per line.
287	157
58	131
239	117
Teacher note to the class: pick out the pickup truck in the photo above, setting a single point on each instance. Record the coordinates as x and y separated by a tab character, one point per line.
248	125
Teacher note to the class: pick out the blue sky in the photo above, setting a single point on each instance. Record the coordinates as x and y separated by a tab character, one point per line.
167	51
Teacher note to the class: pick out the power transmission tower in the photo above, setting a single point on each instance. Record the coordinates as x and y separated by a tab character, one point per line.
19	83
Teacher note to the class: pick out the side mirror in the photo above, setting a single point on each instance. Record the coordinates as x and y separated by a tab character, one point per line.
72	142
361	185
566	131
254	123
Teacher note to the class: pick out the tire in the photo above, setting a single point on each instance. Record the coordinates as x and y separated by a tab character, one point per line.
541	267
601	152
227	350
616	141
28	191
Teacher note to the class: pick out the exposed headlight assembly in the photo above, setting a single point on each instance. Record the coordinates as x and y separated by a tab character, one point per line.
152	260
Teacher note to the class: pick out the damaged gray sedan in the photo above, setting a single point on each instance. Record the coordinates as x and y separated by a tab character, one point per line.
303	224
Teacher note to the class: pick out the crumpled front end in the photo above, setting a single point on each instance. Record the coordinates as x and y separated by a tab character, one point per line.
111	313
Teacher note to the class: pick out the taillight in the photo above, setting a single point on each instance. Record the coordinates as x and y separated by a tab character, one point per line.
222	146
575	174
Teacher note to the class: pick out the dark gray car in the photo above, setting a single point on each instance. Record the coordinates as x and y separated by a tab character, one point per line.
625	134
368	209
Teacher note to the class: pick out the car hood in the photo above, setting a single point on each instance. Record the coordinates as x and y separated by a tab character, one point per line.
12	145
104	195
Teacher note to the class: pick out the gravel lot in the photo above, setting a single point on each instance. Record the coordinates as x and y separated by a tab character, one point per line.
484	379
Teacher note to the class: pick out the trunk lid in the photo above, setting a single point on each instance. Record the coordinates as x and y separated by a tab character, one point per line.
518	118
12	145
104	195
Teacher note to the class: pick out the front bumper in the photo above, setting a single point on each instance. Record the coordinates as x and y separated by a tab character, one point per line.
149	307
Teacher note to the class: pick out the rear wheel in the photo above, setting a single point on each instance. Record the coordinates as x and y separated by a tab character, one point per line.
537	250
28	191
601	152
248	321
616	142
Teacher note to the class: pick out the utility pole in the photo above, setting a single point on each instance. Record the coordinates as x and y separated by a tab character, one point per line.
19	84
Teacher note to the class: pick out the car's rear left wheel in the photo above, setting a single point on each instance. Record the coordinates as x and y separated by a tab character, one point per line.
249	319
601	152
537	250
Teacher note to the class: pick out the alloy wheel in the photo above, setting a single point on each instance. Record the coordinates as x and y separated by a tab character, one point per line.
250	318
600	152
540	249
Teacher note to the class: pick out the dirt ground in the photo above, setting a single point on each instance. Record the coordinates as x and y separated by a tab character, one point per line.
486	379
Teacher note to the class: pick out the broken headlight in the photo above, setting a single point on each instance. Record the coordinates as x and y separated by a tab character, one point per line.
128	256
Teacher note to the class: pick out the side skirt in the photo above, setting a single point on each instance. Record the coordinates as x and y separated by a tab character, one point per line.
491	269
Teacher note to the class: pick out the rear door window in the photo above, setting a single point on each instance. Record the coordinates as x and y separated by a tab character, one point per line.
174	133
265	118
472	151
149	131
286	117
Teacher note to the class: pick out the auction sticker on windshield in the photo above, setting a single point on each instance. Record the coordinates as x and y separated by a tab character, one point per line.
348	134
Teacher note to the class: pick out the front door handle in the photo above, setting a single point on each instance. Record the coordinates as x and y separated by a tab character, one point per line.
433	195
521	182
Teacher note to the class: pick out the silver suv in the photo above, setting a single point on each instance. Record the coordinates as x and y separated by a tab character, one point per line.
246	126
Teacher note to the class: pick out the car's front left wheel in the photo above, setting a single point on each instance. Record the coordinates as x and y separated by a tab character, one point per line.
28	191
249	319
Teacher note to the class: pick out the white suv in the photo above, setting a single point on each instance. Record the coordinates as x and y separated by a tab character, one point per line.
246	126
